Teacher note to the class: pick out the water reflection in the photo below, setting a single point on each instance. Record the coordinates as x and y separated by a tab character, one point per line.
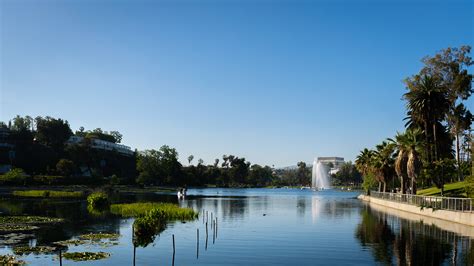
393	240
256	227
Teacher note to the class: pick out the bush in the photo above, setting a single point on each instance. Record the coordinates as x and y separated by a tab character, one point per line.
469	186
98	200
14	176
65	167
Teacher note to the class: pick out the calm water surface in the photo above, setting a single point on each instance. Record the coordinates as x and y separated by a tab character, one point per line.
256	227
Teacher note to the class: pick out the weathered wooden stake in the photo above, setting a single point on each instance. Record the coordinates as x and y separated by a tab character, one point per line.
133	243
60	257
173	250
197	246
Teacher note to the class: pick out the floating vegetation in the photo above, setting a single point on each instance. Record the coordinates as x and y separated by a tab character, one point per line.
101	239
98	200
70	242
17	228
48	194
10	260
85	256
169	211
100	236
18	220
15	238
26	250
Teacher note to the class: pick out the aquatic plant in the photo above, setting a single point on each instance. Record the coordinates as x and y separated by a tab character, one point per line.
48	194
10	260
169	211
99	236
85	256
98	200
26	250
17	228
18	220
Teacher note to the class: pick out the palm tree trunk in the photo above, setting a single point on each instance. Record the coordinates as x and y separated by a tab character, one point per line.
458	159
402	185
380	186
384	186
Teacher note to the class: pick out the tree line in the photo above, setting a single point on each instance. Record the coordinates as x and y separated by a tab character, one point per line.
39	147
436	145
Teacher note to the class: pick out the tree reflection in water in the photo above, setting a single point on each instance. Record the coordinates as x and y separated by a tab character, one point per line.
394	240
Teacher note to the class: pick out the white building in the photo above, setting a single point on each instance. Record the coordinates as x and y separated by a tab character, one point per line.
333	163
102	145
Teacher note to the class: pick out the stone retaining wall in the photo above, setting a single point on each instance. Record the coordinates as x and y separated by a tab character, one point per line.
466	218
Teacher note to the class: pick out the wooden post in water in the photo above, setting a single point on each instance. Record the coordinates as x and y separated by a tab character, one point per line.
213	235
174	249
133	243
60	257
197	246
207	216
206	236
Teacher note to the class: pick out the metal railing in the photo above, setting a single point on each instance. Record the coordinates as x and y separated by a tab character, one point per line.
435	203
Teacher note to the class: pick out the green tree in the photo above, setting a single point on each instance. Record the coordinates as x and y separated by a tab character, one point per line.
65	167
52	132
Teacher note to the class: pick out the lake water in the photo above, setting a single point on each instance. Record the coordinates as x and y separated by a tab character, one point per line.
256	227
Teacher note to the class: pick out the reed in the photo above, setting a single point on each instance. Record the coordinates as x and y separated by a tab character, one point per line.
169	211
48	194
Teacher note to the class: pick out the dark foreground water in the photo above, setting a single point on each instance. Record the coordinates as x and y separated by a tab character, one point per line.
256	227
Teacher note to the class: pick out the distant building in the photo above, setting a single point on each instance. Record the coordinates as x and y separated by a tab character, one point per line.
102	145
333	163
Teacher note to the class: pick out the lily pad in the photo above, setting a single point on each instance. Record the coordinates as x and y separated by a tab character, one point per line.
26	250
100	236
10	260
85	256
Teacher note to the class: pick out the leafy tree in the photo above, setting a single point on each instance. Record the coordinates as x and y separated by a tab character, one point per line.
52	132
65	167
116	135
190	158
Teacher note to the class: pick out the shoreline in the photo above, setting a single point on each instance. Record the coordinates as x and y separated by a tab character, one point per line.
428	214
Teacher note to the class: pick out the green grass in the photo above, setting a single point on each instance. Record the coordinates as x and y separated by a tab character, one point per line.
450	190
170	211
48	194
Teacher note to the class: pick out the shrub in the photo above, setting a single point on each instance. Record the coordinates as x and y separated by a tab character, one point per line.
65	167
469	186
14	176
98	200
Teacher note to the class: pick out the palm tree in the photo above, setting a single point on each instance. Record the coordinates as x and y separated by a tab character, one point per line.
384	162
428	105
413	143
363	161
401	160
459	120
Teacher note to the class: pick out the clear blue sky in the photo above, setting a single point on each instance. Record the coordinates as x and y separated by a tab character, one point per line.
275	82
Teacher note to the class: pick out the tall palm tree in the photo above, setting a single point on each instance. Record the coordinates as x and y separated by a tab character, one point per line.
384	162
363	161
401	160
428	104
414	143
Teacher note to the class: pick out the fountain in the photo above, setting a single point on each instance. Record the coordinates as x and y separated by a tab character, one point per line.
320	178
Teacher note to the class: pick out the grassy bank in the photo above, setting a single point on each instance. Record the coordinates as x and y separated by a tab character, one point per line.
48	194
450	190
170	211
